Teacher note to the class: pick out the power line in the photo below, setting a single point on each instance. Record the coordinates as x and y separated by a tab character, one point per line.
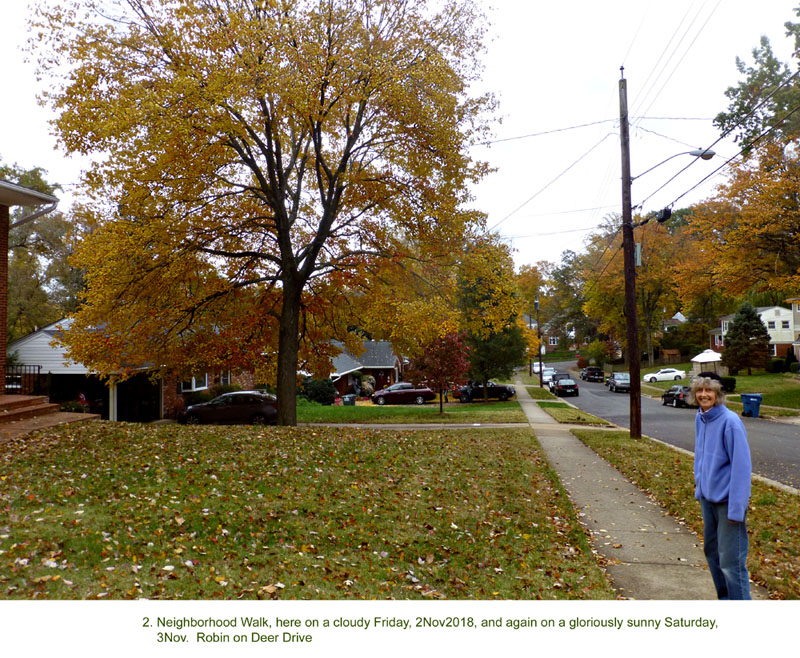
546	132
521	206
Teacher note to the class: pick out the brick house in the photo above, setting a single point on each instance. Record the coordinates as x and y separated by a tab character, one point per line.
12	195
378	360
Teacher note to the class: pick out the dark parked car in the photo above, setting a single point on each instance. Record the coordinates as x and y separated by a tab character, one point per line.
592	374
494	391
566	387
619	381
555	378
248	407
677	396
403	393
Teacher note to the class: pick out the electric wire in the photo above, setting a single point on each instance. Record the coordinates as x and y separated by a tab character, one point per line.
521	206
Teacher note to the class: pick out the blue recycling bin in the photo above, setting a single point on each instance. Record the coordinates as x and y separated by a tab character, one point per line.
349	400
751	403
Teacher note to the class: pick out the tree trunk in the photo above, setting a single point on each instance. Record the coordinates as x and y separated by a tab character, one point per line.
288	343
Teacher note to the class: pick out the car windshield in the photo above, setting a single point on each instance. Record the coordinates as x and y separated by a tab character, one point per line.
622	375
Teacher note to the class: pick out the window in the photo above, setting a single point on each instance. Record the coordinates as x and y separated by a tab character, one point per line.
195	383
770	324
553	341
725	327
774	350
784	324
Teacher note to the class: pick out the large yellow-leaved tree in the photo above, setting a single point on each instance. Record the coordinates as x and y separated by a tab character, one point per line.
256	160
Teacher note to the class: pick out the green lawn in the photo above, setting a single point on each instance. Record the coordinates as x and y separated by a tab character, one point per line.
454	412
565	413
667	475
126	511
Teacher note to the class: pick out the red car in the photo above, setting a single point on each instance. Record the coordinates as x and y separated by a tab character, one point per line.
403	393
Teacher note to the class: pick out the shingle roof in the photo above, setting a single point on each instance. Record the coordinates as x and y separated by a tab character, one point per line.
377	354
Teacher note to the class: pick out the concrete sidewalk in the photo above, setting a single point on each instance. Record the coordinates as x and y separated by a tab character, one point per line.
650	555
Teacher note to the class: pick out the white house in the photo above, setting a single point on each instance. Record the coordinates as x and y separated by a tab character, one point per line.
136	399
780	323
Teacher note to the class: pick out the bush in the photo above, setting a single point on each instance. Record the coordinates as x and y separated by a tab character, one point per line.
198	397
319	390
793	367
73	406
776	366
728	384
583	362
219	389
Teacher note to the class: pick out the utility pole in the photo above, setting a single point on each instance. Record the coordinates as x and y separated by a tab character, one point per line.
539	333
631	320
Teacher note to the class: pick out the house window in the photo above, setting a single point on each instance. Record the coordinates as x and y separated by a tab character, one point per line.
784	324
774	350
195	383
553	341
725	327
770	324
225	377
718	340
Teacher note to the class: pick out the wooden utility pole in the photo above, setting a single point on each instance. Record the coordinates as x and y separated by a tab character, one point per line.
631	320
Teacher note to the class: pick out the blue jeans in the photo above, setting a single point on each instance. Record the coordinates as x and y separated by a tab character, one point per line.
725	546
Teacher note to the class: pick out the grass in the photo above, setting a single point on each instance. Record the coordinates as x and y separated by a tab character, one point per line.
126	511
667	475
454	412
565	413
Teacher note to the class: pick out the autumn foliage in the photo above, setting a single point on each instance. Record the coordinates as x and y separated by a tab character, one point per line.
255	164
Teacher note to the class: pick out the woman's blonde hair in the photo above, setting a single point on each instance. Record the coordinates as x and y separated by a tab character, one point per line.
709	383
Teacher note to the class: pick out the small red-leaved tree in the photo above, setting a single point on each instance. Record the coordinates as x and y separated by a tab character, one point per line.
442	362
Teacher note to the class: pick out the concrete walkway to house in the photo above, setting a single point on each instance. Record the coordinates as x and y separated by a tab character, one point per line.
650	554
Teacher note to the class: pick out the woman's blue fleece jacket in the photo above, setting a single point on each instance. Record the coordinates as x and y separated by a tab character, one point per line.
722	467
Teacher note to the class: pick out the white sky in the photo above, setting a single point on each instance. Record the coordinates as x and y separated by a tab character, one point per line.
553	65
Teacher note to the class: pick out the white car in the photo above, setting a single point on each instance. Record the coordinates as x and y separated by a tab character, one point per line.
547	375
665	375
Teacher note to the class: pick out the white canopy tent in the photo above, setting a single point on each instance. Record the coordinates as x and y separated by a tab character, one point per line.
708	360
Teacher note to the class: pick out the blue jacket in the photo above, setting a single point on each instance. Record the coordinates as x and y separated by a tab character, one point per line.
722	469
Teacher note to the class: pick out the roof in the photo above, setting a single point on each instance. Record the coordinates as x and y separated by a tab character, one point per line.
377	354
12	194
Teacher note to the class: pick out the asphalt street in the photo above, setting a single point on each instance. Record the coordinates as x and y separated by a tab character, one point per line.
774	446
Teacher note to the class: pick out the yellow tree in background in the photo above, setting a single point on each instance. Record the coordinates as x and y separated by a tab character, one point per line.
253	159
749	233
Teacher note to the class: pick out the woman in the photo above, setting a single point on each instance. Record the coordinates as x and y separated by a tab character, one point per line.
722	473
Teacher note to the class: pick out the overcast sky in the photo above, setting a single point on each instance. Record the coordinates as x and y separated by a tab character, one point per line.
553	65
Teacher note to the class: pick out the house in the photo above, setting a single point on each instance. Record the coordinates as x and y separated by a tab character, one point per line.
795	303
141	398
780	323
550	338
378	360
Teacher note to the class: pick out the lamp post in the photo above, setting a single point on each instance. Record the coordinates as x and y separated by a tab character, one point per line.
631	320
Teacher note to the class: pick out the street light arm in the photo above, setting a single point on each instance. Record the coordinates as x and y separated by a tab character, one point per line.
703	154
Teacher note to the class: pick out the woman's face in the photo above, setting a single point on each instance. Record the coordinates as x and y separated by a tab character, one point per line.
705	397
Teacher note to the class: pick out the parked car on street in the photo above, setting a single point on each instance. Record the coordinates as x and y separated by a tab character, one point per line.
403	393
547	375
592	374
494	391
238	407
676	396
557	377
664	375
619	381
566	387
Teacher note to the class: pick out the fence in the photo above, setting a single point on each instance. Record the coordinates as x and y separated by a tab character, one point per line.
21	380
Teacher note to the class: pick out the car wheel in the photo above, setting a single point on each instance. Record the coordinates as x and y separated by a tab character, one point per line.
611	388
191	419
675	403
678	378
503	397
664	401
381	400
419	400
258	419
653	380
